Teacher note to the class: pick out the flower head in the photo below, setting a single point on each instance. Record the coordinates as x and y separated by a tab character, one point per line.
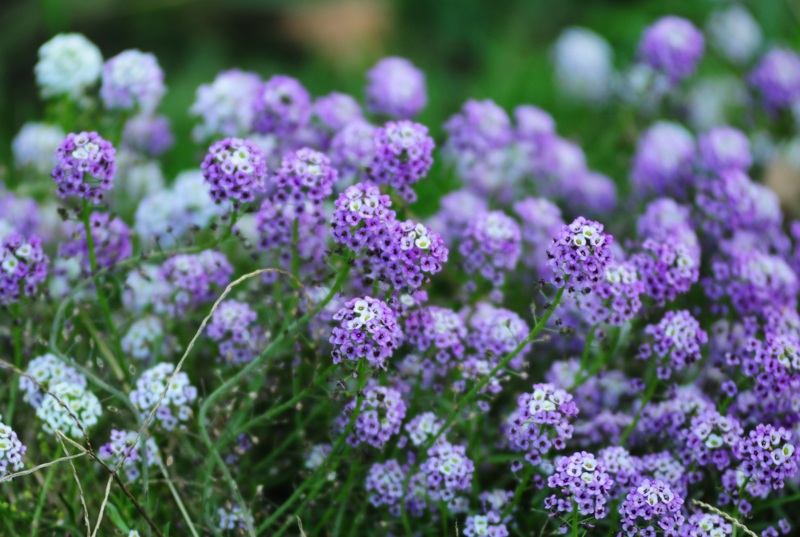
368	329
178	395
281	106
776	78
579	255
403	156
124	449
382	412
396	88
68	65
673	46
225	107
23	266
132	80
85	166
11	450
234	169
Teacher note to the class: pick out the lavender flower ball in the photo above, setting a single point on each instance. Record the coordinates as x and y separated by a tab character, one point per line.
23	267
123	449
384	485
579	255
382	413
68	65
150	135
132	79
769	456
448	470
423	427
85	166
368	329
361	218
179	394
617	298
673	46
676	341
403	156
281	107
35	145
335	111
649	507
583	62
225	107
488	525
353	149
234	169
47	370
734	33
408	252
663	161
776	79
11	450
665	220
581	483
668	268
491	246
439	328
304	174
724	148
495	332
457	210
396	88
232	327
707	525
195	278
111	238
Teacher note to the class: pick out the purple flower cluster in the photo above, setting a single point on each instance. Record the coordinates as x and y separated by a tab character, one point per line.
382	413
85	166
234	169
124	450
353	148
403	155
676	341
488	525
174	396
776	79
541	422
491	246
282	105
23	266
616	299
111	238
581	483
672	46
650	507
150	135
540	220
768	458
667	269
195	278
132	79
368	329
702	524
384	485
579	255
724	148
448	470
396	88
11	450
361	218
439	328
495	332
423	427
232	328
304	175
663	162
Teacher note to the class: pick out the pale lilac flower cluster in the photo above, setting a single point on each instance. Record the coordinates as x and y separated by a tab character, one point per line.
616	299
142	339
403	156
234	518
281	106
495	332
541	422
361	218
124	450
225	107
701	524
368	329
710	438
423	427
234	169
232	327
70	408
384	485
382	413
148	134
448	470
491	246
579	255
676	342
540	220
178	396
439	328
35	145
667	269
396	88
47	371
723	148
650	507
776	79
11	450
665	220
768	458
195	278
581	483
672	46
132	80
353	148
624	468
85	166
488	525
663	162
335	111
457	209
304	175
23	267
110	236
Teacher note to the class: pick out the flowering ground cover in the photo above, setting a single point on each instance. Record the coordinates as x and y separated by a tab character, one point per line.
279	342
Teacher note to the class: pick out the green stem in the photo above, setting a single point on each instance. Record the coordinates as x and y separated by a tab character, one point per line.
37	513
586	351
652	384
518	492
247	370
295	250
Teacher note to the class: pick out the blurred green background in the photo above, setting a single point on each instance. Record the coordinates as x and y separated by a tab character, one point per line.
468	48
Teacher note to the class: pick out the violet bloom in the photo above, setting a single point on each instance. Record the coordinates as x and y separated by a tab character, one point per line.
225	107
489	525
396	88
581	483
281	107
663	161
650	507
111	238
174	398
532	123
448	470
768	456
439	328
150	135
123	451
423	427
579	255
457	210
195	279
723	148
668	268
709	439
367	329
132	80
665	220
495	332
776	79
384	485
491	246
234	169
23	266
590	192
624	468
403	156
616	299
540	221
335	111
673	46
704	524
233	327
11	450
353	149
304	174
382	413
676	342
541	422
85	166
361	218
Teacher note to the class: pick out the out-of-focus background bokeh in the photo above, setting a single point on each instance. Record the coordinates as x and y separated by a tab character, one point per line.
496	49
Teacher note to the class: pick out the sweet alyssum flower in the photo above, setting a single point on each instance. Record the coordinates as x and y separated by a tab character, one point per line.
47	370
491	246
11	450
353	148
676	342
368	329
195	278
382	413
35	146
173	397
488	525
232	327
225	107
776	78
734	33
439	328
124	449
70	408
396	88
673	46
132	80
281	106
234	169
448	470
142	337
650	507
403	156
583	62
68	65
111	239
148	134
581	483
85	166
23	266
723	148
663	160
579	255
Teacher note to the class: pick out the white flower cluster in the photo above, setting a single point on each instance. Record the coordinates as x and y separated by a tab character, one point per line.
144	289
68	65
234	518
136	177
48	371
415	236
734	33
583	62
132	79
142	336
81	405
11	450
178	395
35	145
316	457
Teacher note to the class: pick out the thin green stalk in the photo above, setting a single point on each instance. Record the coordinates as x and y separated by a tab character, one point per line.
652	384
37	513
295	249
518	492
587	349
